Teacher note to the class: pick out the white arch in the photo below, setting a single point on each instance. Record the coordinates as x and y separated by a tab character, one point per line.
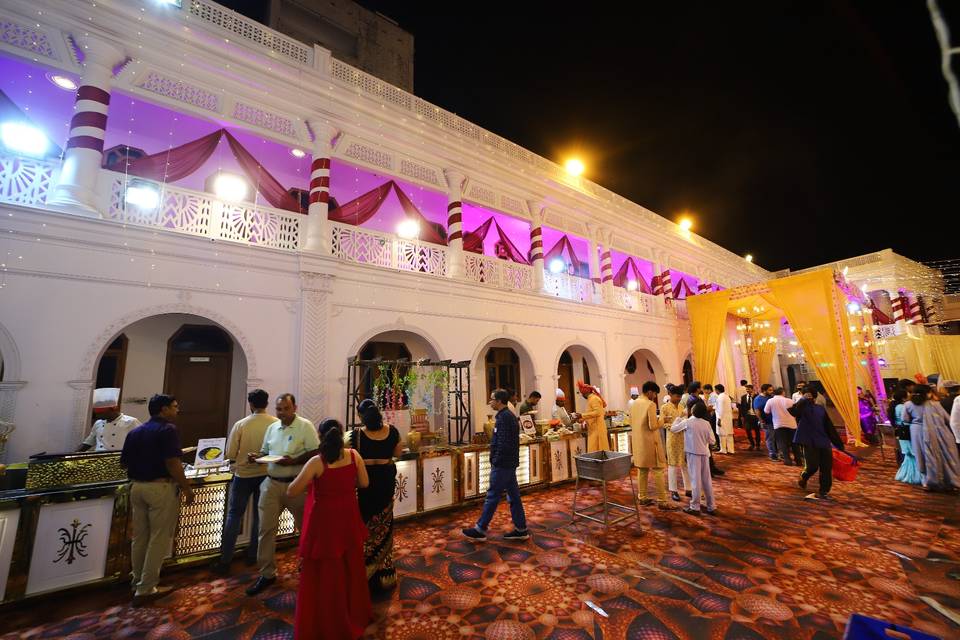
653	352
11	356
101	342
396	326
485	342
579	344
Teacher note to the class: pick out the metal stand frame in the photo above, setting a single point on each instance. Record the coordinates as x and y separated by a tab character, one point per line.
605	506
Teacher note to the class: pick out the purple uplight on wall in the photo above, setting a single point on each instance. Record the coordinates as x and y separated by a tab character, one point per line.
516	229
32	96
690	283
618	259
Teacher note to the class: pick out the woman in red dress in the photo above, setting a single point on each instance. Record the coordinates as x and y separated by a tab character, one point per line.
333	600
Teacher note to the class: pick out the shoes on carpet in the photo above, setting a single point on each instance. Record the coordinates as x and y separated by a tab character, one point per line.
645	502
260	585
147	598
675	496
710	512
802	482
751	448
250	562
220	568
692	512
689	494
666	506
474	534
516	534
824	496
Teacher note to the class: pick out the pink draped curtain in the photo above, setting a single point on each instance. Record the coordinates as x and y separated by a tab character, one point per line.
684	288
361	209
473	241
628	269
179	162
557	251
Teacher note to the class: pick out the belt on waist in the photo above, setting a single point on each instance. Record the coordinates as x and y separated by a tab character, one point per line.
281	479
154	480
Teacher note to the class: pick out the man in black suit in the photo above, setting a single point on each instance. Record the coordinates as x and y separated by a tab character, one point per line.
749	417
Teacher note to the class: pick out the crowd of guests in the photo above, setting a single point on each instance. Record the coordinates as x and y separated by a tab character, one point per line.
926	421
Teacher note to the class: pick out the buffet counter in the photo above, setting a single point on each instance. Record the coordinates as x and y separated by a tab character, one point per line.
69	523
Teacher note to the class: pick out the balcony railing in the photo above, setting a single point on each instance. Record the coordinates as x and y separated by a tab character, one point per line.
498	273
365	246
569	287
26	181
680	307
199	214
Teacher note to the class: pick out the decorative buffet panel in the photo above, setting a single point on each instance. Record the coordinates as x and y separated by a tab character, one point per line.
437	482
9	520
559	460
405	492
577	446
70	545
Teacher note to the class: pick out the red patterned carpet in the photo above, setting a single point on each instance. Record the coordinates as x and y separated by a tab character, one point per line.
773	565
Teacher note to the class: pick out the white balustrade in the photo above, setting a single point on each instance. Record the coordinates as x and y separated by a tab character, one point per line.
26	181
497	273
569	287
365	246
200	214
680	308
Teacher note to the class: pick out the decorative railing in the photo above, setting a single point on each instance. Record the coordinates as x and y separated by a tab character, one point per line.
631	300
497	273
365	246
200	214
26	181
566	286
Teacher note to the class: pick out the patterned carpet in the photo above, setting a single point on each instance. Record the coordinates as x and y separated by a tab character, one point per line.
772	565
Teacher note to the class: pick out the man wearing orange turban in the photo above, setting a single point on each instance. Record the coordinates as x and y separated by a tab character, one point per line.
596	410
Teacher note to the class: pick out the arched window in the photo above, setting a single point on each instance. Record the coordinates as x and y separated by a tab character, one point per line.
503	370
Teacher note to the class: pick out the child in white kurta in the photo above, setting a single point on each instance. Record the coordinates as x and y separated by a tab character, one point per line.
697	438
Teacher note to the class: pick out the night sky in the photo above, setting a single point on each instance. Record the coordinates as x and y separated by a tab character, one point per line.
800	132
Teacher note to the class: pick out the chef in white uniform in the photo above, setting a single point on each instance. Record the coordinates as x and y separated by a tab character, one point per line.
110	431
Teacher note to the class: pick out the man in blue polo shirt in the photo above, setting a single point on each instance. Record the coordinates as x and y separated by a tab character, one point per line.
151	455
766	392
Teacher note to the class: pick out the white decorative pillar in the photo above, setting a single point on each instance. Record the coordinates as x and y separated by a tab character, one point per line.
77	186
455	180
82	396
318	228
594	257
537	214
8	406
314	320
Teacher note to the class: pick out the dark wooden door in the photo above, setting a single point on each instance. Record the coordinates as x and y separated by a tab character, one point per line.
200	380
565	382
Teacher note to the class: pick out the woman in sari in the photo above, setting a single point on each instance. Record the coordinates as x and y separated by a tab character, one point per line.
939	462
378	446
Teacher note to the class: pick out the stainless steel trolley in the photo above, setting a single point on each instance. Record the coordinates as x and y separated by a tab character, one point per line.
604	466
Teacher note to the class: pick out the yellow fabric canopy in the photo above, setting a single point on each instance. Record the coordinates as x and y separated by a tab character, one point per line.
816	309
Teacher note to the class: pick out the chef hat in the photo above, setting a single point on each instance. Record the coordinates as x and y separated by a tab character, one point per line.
561	395
105	399
634	391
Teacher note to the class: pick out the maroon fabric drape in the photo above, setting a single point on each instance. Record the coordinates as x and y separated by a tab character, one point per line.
629	268
361	209
179	162
656	286
557	251
473	240
428	233
684	288
879	317
512	250
265	183
173	164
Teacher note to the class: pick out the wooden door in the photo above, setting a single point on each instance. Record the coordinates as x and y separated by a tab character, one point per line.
198	375
565	382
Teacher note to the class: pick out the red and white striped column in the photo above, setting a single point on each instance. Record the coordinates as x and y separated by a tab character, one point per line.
77	186
318	227
455	181
897	304
666	285
916	316
704	287
606	266
537	213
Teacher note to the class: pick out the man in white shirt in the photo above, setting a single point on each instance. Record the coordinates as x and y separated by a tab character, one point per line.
711	397
110	431
634	394
245	438
798	394
295	440
725	421
784	426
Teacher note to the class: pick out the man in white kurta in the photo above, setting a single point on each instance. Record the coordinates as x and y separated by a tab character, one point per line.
725	421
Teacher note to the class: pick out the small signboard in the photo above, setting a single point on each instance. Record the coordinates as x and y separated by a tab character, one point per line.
210	452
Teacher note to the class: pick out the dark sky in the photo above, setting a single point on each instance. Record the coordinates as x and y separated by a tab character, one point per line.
800	132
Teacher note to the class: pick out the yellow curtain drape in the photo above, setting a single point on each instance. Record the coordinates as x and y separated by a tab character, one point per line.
708	315
946	355
817	313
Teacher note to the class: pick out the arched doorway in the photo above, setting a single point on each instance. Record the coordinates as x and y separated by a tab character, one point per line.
687	373
395	384
642	366
186	355
499	363
576	362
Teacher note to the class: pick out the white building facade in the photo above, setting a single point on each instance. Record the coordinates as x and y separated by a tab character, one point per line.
89	269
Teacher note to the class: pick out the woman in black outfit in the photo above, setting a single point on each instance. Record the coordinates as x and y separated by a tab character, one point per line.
377	446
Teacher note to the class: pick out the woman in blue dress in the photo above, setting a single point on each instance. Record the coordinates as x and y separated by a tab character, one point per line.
908	471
